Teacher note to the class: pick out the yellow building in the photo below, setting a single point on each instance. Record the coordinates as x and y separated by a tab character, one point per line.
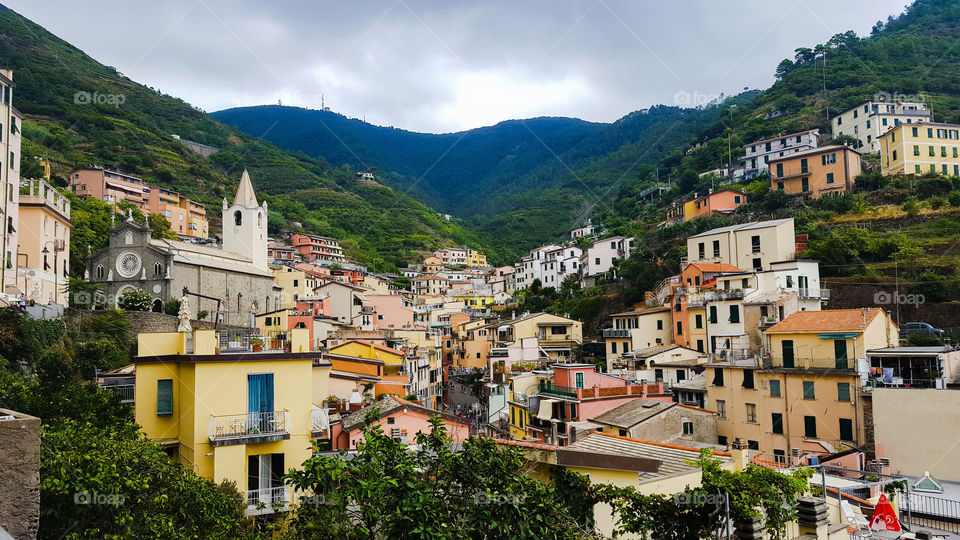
805	399
473	300
522	386
637	329
475	258
296	284
432	264
556	336
272	322
921	148
197	224
392	359
229	415
43	254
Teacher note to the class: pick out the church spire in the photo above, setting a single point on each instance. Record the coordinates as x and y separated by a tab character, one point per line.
245	195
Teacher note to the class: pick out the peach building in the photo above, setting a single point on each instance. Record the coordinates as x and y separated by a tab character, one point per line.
829	170
43	255
400	419
317	247
109	186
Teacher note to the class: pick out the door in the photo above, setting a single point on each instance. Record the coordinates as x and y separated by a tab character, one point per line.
840	353
787	348
259	402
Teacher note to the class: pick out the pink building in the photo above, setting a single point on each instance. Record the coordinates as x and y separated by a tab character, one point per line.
389	311
109	186
401	420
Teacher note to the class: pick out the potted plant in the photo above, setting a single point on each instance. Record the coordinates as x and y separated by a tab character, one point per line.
216	350
257	344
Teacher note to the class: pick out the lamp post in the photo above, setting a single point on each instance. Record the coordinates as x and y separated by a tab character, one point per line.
56	284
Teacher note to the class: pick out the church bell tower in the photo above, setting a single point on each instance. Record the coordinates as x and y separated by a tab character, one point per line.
245	224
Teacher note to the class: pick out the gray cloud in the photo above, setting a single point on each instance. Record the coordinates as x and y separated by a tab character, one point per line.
445	66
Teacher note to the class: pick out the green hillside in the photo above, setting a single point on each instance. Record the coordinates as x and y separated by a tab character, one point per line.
128	126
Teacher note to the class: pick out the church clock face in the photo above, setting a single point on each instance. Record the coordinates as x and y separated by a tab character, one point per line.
128	264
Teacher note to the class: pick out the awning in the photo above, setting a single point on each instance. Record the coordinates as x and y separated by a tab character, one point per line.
546	409
842	335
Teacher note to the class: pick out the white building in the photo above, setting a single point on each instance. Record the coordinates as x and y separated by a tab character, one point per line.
11	121
873	118
601	256
451	256
749	246
429	284
582	232
757	155
558	263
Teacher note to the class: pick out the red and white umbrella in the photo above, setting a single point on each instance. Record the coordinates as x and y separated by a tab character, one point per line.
884	517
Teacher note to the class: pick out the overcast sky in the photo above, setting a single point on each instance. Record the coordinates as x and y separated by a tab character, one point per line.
445	65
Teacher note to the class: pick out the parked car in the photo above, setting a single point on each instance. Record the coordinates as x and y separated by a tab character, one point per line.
920	329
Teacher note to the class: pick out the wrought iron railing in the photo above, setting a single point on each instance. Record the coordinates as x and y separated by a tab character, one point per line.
267	497
550	388
234	426
616	333
125	391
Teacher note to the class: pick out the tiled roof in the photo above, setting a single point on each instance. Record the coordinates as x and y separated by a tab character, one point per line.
673	458
632	412
827	320
715	267
385	406
368	343
642	311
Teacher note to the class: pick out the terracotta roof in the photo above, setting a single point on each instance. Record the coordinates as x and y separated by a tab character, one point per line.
368	343
526	444
386	406
827	320
715	267
644	311
428	277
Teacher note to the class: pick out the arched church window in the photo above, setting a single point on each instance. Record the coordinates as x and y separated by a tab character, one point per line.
100	271
157	269
260	219
238	218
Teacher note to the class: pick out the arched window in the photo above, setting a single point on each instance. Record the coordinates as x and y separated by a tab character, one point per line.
260	219
238	218
99	271
157	269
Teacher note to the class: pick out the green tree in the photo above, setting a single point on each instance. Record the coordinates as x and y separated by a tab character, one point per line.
386	491
135	300
83	294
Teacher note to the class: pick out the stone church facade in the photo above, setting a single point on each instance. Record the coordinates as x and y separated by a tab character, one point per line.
237	274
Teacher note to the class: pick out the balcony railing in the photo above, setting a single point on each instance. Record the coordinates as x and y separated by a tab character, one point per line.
249	428
240	340
266	500
841	364
125	391
616	333
550	388
813	294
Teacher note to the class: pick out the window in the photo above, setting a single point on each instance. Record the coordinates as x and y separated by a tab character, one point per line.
786	347
846	429
933	151
613	347
700	345
916	169
721	409
755	243
916	149
809	426
722	440
929	133
804	184
843	391
774	388
840	353
894	155
658	375
748	379
751	413
687	427
716	248
164	397
622	432
736	198
777	423
829	177
238	218
808	390
803	166
679	327
579	378
698	321
718	378
702	252
779	170
681	375
391	420
597	261
659	324
713	315
789	282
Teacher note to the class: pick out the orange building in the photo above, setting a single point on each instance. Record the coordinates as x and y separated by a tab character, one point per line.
317	247
828	170
687	295
721	202
109	186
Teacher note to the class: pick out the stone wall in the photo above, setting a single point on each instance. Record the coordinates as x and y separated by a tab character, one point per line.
19	483
147	321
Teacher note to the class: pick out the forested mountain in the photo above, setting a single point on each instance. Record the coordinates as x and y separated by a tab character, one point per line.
80	113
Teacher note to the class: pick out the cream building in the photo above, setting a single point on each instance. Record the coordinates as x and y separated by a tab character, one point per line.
871	119
10	122
748	246
920	149
43	255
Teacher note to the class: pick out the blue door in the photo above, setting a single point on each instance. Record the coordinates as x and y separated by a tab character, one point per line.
259	401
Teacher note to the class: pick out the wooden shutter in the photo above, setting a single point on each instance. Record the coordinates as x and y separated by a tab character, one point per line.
165	397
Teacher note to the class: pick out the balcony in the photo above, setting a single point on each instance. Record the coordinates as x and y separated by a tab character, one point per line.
814	294
547	387
125	391
616	333
826	364
249	428
241	340
266	500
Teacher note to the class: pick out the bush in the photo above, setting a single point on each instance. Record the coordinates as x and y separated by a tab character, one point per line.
911	207
954	198
937	201
172	307
135	300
